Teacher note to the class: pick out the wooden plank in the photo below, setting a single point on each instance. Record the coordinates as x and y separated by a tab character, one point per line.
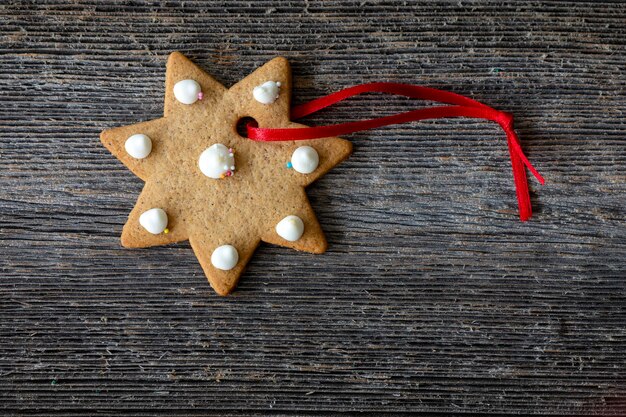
432	298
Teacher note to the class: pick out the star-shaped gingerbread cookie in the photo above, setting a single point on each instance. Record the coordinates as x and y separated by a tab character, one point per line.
207	184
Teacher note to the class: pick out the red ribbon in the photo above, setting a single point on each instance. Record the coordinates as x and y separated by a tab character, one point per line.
460	106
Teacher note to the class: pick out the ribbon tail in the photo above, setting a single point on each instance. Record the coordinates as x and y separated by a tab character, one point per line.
519	162
521	182
514	142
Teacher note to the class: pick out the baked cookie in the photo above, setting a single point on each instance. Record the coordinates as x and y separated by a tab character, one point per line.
207	184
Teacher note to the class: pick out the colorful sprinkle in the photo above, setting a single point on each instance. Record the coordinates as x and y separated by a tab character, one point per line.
289	165
200	95
166	231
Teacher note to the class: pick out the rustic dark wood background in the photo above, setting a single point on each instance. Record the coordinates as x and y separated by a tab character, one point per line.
432	298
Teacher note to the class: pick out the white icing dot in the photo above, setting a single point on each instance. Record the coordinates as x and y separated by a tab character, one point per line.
154	220
225	257
186	91
215	161
290	228
138	146
305	159
266	93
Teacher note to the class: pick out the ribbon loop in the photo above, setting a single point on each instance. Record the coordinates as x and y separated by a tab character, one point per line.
457	106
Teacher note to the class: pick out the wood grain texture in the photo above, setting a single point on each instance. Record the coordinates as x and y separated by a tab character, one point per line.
432	297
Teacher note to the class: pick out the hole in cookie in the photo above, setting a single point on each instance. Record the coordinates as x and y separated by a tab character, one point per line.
242	125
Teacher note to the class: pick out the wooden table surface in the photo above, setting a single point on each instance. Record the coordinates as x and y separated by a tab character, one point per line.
433	297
